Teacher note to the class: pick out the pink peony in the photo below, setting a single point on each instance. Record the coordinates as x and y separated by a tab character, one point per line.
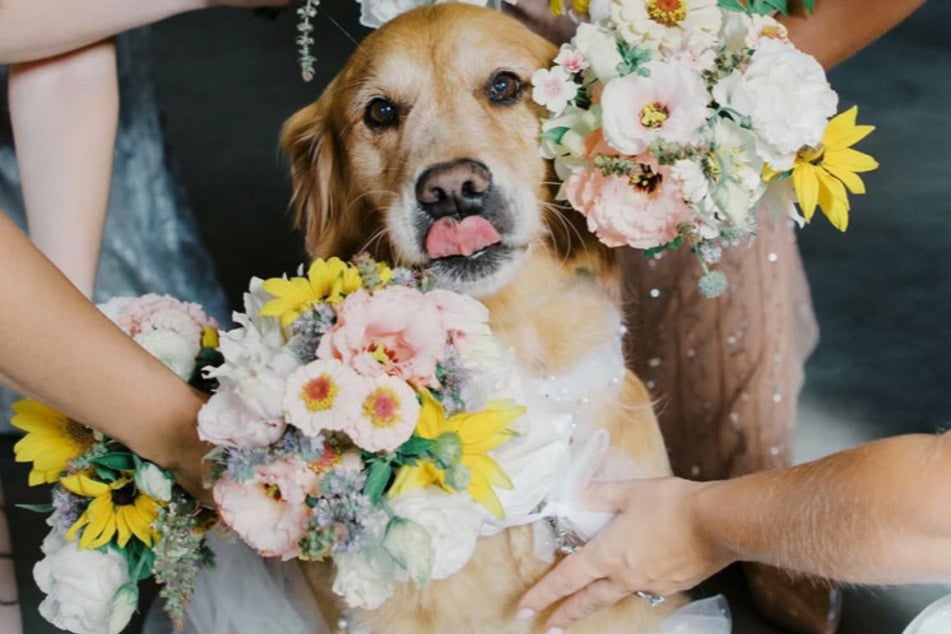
269	511
395	331
620	212
463	317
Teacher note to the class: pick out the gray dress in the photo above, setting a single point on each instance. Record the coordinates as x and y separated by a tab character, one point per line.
151	241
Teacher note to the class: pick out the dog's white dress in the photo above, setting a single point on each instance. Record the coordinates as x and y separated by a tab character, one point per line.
936	619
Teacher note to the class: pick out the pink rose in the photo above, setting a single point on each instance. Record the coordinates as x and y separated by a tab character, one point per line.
396	331
643	215
269	511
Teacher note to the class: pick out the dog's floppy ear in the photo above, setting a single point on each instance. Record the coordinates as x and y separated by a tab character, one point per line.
308	140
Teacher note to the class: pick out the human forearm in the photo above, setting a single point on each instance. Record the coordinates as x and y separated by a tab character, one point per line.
840	28
55	344
875	514
65	169
35	29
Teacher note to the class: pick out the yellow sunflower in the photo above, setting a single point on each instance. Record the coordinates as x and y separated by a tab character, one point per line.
116	509
474	435
52	440
326	281
821	175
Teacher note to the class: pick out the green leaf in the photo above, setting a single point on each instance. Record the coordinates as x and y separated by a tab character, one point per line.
377	479
732	5
414	447
554	135
36	508
106	475
676	243
810	6
115	461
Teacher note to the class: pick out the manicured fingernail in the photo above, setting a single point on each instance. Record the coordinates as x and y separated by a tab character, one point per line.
554	630
525	614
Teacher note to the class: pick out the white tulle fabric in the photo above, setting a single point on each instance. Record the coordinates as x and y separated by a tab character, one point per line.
247	594
936	619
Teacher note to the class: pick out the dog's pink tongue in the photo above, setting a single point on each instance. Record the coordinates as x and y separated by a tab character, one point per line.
449	237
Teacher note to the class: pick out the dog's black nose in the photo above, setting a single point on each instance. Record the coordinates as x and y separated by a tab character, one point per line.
457	188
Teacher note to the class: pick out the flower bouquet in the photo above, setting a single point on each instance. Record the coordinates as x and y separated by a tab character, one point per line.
353	425
671	120
116	518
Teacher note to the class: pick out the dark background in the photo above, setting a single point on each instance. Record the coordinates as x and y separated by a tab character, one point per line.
227	81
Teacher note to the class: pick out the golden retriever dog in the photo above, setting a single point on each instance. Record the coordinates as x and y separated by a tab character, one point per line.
424	151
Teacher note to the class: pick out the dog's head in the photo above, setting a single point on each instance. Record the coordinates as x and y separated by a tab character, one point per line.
424	149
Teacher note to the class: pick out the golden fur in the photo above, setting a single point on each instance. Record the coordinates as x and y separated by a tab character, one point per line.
352	189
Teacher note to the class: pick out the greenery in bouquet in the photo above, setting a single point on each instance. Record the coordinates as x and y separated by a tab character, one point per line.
673	121
117	519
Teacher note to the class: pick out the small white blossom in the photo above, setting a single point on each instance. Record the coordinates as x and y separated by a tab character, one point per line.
364	579
553	88
600	49
410	546
154	482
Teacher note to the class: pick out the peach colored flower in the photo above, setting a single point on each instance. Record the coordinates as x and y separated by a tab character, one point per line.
388	414
463	317
323	394
269	511
396	331
644	215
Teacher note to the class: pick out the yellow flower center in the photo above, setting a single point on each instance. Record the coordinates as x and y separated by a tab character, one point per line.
125	495
667	12
811	155
319	394
654	115
79	436
382	407
774	32
274	492
646	179
711	167
381	354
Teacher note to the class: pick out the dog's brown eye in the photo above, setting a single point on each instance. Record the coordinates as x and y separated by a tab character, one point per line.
504	87
380	113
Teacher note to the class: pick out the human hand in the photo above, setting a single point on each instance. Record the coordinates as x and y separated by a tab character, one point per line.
655	544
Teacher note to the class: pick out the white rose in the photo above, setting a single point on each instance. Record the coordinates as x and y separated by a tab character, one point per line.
227	420
364	579
452	521
787	98
80	586
175	350
600	49
154	482
411	547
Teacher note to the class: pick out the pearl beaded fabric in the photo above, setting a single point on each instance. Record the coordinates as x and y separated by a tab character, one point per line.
725	372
